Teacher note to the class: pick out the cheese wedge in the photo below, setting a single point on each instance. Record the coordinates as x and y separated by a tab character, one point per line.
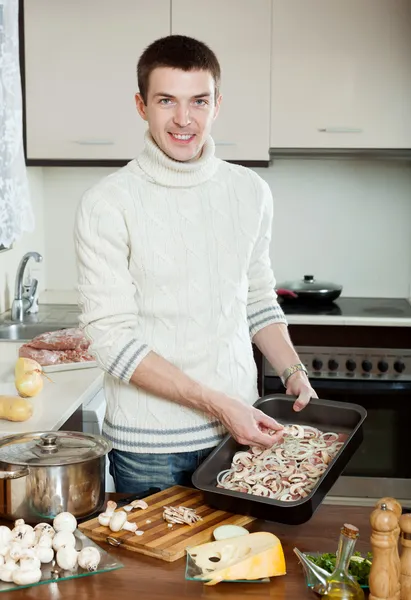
248	557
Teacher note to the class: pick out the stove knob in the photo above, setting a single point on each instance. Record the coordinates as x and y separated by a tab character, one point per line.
350	365
383	366
317	364
366	365
399	366
332	364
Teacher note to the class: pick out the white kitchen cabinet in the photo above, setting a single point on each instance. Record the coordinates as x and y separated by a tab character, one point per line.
238	31
341	74
80	72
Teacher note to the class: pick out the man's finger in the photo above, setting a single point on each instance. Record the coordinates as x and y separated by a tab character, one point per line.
268	422
302	400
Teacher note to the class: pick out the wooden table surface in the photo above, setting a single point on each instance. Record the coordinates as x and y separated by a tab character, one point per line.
143	577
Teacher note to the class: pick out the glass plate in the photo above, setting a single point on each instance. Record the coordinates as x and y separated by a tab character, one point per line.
107	563
310	579
193	573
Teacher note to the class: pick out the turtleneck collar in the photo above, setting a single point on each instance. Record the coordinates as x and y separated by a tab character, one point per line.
168	172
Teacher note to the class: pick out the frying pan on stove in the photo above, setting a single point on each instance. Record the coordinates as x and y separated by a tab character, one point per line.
309	290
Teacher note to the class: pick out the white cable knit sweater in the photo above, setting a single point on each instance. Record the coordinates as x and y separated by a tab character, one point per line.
174	257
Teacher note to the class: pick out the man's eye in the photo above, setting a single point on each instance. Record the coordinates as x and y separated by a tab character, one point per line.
165	101
200	102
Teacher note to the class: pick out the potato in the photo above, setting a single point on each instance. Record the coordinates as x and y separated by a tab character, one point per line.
14	408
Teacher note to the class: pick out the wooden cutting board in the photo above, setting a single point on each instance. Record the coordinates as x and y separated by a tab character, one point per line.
159	540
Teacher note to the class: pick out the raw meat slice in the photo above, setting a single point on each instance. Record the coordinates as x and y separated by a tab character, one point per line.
63	339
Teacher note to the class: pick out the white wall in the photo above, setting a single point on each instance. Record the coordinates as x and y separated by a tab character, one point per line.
34	241
347	221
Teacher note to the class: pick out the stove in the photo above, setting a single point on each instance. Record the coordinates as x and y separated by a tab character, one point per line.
368	356
352	307
360	362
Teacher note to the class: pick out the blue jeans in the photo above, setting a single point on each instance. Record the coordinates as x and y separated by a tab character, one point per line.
134	473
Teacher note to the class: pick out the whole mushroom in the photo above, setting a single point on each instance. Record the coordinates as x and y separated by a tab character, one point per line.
63	538
89	558
23	533
66	558
6	570
104	517
43	529
65	521
119	521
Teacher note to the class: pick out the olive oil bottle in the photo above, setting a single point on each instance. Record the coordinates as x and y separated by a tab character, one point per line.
340	585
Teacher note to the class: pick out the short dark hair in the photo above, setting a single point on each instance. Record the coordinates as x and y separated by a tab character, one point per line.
176	52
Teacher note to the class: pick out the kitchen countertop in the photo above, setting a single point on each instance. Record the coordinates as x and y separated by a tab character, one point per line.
337	320
58	399
70	297
148	578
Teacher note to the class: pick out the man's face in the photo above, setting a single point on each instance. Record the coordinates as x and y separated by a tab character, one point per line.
180	110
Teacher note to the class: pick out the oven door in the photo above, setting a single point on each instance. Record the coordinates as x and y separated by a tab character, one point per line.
381	466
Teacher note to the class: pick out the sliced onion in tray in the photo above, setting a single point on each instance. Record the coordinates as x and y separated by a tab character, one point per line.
289	470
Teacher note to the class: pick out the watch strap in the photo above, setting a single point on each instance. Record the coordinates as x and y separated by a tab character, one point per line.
290	371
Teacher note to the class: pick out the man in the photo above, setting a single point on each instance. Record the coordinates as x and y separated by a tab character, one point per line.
175	282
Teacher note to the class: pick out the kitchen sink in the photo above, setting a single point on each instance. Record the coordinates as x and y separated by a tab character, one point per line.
23	332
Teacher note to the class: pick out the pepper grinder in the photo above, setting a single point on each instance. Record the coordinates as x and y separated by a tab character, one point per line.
383	580
405	525
395	506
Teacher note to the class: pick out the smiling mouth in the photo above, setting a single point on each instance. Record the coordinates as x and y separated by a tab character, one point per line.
182	138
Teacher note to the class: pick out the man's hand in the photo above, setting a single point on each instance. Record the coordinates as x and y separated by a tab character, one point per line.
299	385
245	423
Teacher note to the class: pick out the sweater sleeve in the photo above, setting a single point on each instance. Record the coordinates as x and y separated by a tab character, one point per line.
107	294
262	306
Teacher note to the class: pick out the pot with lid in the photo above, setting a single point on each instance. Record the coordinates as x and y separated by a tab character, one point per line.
309	289
45	473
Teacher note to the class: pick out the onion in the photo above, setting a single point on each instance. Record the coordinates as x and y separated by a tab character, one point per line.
289	470
28	377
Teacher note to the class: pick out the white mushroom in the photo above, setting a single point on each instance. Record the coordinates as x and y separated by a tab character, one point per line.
135	504
180	514
104	517
63	538
5	536
66	558
89	558
25	576
16	551
23	533
43	529
44	553
45	541
65	521
30	563
1	560
119	521
6	570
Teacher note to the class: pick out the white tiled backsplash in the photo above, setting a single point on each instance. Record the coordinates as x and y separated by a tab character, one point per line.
346	221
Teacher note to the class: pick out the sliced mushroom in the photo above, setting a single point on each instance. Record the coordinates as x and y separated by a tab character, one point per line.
180	514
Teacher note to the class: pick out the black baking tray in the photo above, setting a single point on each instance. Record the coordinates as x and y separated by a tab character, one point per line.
326	415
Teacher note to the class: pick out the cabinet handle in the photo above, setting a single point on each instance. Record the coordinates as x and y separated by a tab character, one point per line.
339	130
225	143
94	142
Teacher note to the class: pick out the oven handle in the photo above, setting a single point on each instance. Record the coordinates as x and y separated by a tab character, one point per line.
349	386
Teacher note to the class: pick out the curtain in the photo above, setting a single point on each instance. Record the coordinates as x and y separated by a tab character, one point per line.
16	215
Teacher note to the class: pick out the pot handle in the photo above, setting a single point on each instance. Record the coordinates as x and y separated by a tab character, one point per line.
14	474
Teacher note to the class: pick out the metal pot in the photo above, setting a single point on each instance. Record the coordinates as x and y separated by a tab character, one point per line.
45	473
309	289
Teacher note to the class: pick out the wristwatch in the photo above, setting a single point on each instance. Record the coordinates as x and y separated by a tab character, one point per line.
290	371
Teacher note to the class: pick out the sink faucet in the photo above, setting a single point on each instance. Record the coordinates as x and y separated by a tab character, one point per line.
23	301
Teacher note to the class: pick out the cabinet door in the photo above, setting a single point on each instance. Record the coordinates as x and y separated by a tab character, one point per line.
341	74
238	31
80	59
